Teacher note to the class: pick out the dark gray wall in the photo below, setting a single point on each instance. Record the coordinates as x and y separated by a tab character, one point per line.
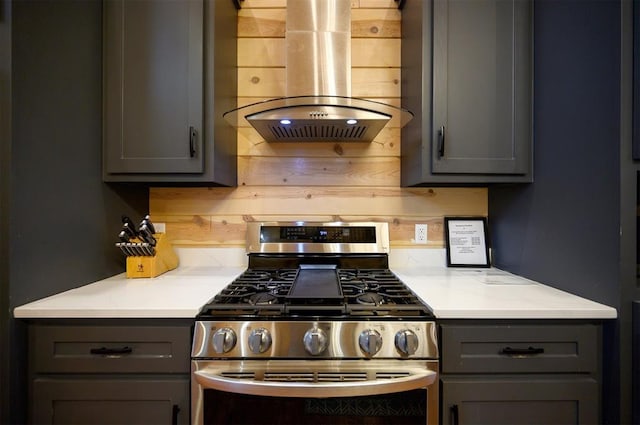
5	154
63	221
564	229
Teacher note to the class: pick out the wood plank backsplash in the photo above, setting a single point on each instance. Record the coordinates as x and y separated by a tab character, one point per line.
314	181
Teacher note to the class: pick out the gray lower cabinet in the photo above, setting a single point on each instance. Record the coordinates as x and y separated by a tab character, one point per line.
467	76
520	374
520	400
111	401
127	373
169	75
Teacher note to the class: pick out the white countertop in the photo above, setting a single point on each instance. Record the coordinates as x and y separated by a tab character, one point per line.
450	293
179	293
495	294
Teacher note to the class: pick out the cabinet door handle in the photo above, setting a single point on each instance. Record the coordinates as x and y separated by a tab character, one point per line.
104	351
174	414
529	351
193	134
441	142
455	416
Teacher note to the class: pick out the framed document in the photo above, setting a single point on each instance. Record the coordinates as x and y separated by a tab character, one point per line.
466	242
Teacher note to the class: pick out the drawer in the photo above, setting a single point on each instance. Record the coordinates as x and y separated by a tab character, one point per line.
109	349
519	348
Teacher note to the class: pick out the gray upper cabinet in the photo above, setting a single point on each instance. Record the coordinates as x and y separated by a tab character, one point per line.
467	75
169	74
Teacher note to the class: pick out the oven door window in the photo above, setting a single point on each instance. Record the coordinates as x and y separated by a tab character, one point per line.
407	408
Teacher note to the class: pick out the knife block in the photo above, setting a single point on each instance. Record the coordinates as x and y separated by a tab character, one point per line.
165	259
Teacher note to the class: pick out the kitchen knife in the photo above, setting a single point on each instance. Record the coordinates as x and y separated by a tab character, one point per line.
122	248
129	230
126	219
133	247
141	250
130	251
148	249
127	250
147	220
123	236
146	236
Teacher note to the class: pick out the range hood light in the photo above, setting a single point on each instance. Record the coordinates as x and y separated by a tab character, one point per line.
285	121
352	121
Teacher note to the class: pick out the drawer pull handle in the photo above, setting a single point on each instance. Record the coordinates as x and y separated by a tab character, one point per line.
104	351
529	351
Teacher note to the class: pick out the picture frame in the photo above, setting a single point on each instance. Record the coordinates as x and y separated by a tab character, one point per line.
466	240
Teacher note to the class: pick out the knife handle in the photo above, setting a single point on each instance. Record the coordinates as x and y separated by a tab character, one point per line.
147	220
127	220
129	230
122	248
150	251
145	235
123	236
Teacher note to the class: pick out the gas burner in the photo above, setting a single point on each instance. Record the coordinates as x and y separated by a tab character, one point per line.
251	275
370	298
360	286
258	276
262	298
357	275
363	292
287	274
273	286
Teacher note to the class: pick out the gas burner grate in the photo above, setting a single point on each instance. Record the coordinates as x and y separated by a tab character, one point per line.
365	292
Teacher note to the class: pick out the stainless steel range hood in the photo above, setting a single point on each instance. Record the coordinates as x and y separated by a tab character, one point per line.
318	106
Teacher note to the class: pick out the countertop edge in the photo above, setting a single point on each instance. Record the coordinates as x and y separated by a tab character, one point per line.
519	315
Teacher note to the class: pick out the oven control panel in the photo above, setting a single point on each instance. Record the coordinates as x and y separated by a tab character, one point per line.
326	234
311	237
321	339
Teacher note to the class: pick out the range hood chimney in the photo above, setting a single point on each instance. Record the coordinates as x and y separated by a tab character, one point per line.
318	106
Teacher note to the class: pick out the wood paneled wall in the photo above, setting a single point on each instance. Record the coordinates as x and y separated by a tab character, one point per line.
314	181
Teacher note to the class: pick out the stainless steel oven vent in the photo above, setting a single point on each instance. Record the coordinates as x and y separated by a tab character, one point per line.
315	133
313	124
318	106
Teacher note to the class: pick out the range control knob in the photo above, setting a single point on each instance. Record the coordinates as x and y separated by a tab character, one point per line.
259	340
407	342
224	340
370	341
315	341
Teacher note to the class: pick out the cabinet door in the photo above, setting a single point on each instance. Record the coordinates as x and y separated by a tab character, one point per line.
153	90
519	400
123	401
481	87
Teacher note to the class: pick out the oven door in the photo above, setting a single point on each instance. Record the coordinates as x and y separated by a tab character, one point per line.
314	392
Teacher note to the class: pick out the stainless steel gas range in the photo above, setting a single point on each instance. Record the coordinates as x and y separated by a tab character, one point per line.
317	330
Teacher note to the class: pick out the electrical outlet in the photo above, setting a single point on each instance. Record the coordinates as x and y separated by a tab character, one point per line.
421	233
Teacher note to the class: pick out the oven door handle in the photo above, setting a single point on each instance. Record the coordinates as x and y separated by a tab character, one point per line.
210	379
